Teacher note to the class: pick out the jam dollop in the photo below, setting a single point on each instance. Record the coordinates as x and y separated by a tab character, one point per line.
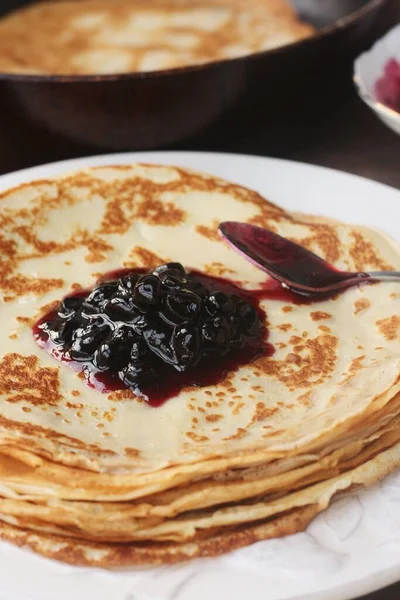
156	332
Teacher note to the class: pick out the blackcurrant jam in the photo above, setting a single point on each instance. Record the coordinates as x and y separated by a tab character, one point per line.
159	332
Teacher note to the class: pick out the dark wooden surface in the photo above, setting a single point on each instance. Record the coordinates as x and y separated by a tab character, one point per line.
389	593
347	137
351	138
354	140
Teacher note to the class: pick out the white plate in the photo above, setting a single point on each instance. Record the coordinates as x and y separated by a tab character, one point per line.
351	549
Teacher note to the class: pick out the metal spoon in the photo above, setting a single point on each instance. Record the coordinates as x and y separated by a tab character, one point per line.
296	268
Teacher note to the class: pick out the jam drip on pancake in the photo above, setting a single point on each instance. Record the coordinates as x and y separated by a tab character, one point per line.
156	333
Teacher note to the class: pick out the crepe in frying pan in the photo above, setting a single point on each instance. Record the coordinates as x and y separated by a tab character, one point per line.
119	36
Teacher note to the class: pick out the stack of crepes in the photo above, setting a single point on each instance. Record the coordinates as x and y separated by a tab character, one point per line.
106	479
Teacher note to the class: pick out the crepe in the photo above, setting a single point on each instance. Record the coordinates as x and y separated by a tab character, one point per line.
62	547
119	36
127	522
215	467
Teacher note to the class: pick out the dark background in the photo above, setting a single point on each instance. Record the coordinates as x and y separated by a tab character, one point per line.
344	135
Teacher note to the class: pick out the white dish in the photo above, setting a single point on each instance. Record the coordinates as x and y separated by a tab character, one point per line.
369	67
351	549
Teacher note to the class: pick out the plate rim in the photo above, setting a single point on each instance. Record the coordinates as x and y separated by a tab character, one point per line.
107	159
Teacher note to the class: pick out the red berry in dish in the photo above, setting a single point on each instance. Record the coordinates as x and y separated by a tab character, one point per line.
388	86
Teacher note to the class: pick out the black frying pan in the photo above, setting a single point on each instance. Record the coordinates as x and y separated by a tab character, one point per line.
141	111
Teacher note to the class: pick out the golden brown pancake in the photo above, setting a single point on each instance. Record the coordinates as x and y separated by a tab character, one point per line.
71	37
91	553
105	478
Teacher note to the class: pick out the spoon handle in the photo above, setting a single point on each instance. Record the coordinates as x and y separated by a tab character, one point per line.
385	276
